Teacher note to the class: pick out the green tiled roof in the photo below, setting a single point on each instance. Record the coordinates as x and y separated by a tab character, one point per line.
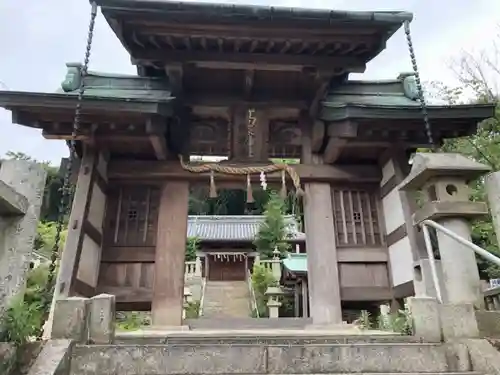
296	262
117	86
242	228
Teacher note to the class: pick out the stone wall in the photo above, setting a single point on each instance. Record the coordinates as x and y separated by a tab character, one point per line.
21	193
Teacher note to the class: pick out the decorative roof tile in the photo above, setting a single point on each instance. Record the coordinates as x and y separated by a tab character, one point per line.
234	227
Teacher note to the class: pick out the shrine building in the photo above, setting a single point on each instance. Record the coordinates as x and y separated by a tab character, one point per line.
250	84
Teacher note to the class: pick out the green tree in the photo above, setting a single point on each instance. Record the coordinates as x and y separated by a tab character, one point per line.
192	245
273	232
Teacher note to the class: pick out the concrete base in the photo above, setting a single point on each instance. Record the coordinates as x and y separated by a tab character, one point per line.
458	321
425	318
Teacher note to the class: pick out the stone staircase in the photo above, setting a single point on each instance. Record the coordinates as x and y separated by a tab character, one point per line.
272	353
226	299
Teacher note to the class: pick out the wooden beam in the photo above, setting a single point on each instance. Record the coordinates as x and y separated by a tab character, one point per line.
79	212
156	129
333	149
164	170
175	75
155	23
321	90
225	101
317	135
248	83
249	60
345	129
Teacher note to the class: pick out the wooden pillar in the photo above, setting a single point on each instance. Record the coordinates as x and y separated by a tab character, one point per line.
322	267
76	229
305	299
168	287
261	135
296	300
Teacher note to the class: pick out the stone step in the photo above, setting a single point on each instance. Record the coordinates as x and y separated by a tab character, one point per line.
255	338
259	359
215	323
226	299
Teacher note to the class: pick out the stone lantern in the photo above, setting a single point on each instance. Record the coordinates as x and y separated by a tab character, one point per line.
442	180
273	293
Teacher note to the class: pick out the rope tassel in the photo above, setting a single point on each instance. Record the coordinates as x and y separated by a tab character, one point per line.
213	189
249	190
283	192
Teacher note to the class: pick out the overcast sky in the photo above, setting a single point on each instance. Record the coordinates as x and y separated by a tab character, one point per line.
38	37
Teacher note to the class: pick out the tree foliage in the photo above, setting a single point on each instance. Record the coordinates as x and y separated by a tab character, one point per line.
192	244
273	232
478	76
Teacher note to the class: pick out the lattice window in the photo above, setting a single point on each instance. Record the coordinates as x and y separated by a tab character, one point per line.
132	216
356	216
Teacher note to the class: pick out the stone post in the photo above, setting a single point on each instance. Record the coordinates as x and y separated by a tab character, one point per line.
276	265
492	186
443	179
256	259
188	298
197	266
102	319
21	193
273	303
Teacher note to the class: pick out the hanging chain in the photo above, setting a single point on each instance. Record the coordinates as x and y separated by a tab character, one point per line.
420	91
66	189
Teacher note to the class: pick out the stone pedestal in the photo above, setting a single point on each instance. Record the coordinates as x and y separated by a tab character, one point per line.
460	273
458	321
273	293
71	319
425	316
492	187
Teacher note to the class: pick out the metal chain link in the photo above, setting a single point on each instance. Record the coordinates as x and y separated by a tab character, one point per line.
66	189
420	91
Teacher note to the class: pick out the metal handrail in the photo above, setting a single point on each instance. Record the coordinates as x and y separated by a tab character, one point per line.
478	250
253	300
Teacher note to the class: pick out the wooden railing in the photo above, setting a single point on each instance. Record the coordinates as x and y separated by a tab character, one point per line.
267	263
492	299
192	268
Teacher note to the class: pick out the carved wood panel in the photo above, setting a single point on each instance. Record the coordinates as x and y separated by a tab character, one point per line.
285	140
209	137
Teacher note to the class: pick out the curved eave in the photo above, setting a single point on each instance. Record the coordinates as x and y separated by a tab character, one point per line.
256	12
36	104
339	112
150	29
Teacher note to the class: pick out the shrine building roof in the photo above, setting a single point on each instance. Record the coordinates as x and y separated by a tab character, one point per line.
234	228
156	32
